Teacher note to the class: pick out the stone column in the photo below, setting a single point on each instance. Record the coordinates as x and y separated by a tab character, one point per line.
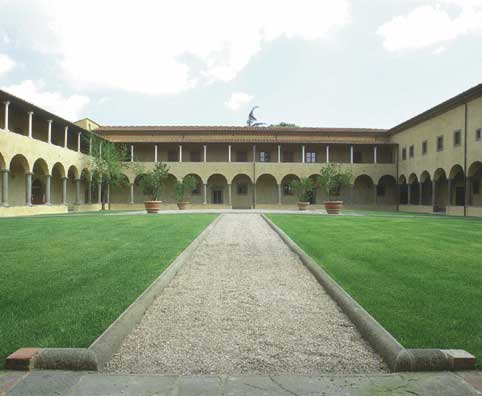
77	191
375	154
229	195
449	192
303	154
254	195
229	153
100	150
409	193
327	154
180	153
420	193
66	136
132	193
375	195
352	193
7	103
108	195
29	189
78	141
254	153
30	119
279	153
49	132
89	194
155	153
205	154
433	192
205	194
47	189
90	145
5	187
280	191
64	190
132	153
351	154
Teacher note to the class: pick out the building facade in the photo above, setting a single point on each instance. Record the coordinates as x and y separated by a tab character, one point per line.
430	163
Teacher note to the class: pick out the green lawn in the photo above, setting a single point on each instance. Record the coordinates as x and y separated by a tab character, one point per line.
63	280
420	277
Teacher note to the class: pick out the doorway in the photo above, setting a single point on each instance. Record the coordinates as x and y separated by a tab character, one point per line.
217	197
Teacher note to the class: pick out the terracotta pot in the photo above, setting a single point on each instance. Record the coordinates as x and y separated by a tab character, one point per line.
152	206
303	205
182	205
333	207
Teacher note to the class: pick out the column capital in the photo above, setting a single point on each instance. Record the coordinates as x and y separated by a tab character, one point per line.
64	178
50	121
6	103
4	170
30	113
29	173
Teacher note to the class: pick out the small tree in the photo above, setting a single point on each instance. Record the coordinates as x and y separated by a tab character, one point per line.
182	187
152	181
108	164
333	178
303	188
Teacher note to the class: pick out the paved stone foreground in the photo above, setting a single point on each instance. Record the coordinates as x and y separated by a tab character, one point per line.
58	383
244	304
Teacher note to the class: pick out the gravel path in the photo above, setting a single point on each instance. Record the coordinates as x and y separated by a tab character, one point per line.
245	304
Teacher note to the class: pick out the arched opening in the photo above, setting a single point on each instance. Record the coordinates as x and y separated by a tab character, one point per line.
120	192
242	192
85	178
413	190
217	190
39	182
58	173
403	188
441	190
196	195
456	186
363	190
266	190
2	167
72	176
288	196
387	190
17	180
475	181
426	186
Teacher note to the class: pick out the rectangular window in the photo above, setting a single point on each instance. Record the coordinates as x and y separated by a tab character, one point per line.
242	189
288	156
263	156
241	156
310	157
457	138
404	153
195	156
424	147
478	134
440	143
411	151
172	156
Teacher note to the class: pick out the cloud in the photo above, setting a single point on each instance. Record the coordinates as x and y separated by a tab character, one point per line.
68	107
237	100
431	25
6	64
160	47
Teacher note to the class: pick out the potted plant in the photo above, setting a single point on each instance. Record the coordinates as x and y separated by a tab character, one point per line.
151	183
303	189
332	179
182	187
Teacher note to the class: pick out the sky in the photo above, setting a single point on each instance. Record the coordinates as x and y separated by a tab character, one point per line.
340	63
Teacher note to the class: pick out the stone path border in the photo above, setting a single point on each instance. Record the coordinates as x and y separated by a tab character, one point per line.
395	355
102	349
